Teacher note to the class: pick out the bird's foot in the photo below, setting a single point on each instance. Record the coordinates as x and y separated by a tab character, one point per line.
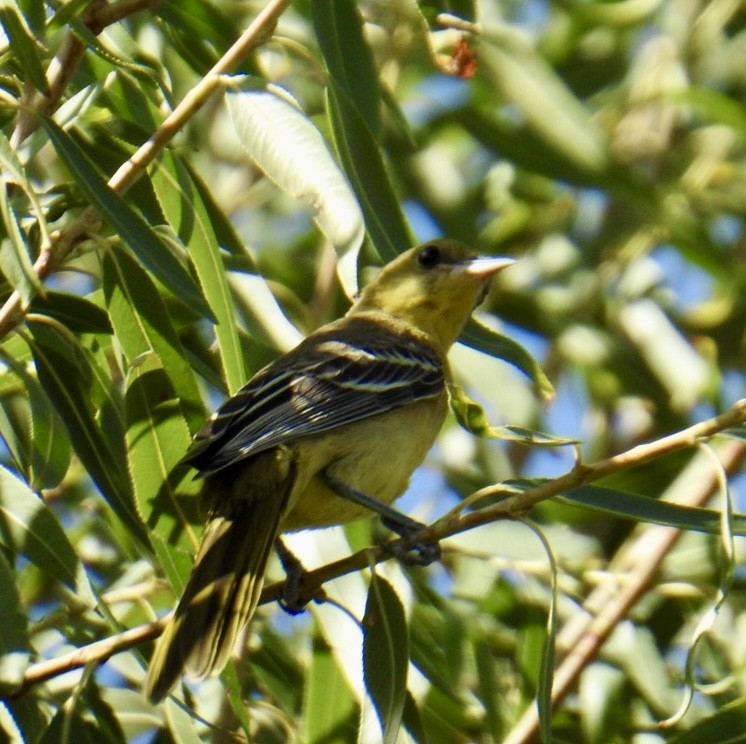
293	599
411	549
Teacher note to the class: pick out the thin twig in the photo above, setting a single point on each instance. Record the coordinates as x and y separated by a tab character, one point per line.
312	581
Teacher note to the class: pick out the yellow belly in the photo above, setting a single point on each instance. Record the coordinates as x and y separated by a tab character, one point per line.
376	456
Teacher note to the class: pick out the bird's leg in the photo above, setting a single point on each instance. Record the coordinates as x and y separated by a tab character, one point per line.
292	599
415	552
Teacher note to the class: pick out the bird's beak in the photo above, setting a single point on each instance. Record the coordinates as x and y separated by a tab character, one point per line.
483	267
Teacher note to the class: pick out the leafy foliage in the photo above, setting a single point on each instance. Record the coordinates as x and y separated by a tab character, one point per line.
175	186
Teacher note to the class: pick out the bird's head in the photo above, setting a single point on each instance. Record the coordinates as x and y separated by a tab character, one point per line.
434	286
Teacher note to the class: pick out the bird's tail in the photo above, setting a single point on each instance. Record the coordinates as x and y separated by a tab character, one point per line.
220	596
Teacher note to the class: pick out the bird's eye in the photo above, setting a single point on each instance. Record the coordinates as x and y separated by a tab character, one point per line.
429	256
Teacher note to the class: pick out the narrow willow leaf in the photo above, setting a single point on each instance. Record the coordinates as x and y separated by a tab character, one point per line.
14	431
385	655
363	162
15	651
412	720
330	708
484	339
284	143
77	314
348	58
183	207
526	80
131	227
69	378
644	509
15	261
23	45
29	528
142	324
157	438
473	418
50	451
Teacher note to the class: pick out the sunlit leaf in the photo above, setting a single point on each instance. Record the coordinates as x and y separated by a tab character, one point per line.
284	143
183	206
331	711
157	438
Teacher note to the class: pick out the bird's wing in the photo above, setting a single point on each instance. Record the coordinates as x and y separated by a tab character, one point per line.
332	379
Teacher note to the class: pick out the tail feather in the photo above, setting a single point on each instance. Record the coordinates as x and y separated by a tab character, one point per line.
220	596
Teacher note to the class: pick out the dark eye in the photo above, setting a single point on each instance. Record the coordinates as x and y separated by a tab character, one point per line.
429	256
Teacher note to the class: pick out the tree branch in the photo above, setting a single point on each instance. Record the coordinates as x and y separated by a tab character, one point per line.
312	581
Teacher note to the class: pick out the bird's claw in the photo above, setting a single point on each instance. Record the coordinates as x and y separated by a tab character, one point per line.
410	549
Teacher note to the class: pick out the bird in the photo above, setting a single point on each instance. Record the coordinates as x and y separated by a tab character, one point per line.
329	432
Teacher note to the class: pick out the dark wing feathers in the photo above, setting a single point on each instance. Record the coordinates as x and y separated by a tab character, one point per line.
329	380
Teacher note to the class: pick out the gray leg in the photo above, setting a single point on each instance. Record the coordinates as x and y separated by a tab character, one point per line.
417	552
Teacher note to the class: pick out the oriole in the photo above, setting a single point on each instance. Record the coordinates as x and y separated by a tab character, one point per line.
327	433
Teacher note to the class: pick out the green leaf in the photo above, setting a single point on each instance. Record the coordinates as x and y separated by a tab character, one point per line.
157	438
412	720
70	381
15	260
484	339
330	709
77	314
186	212
29	528
23	45
15	651
286	145
50	451
142	324
363	162
14	429
473	418
643	509
348	58
385	655
131	227
713	106
545	101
